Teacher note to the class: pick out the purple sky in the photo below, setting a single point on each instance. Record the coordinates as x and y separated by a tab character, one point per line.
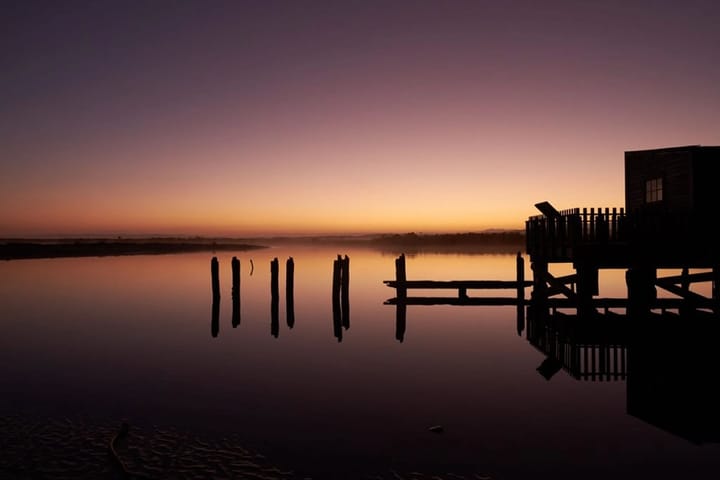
238	117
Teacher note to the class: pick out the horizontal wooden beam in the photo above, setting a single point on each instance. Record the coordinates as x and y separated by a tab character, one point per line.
458	284
455	301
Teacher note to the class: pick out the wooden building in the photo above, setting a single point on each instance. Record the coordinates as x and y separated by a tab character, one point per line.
668	222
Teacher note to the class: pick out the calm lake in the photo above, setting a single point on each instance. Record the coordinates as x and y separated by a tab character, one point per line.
132	338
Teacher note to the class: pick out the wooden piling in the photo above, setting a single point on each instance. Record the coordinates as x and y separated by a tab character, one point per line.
345	291
336	305
215	277
520	268
400	277
289	291
274	297
235	264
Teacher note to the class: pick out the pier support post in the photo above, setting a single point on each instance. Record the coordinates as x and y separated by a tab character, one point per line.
716	290
539	295
520	268
641	290
587	287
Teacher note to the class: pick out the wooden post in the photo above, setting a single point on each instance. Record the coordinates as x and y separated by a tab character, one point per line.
289	291
587	286
400	278
274	298
337	312
640	282
215	276
716	290
520	269
235	263
345	291
686	307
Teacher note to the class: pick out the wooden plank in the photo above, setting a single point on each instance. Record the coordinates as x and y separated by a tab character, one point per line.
489	301
458	284
692	278
681	292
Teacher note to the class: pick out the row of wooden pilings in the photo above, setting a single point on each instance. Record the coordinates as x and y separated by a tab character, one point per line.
340	295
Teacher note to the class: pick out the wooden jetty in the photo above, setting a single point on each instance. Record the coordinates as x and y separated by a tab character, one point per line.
668	223
401	285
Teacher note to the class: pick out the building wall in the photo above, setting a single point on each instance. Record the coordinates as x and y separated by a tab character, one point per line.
673	165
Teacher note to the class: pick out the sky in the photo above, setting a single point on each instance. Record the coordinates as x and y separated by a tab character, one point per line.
245	118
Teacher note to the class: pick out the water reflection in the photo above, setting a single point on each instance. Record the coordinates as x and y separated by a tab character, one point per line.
215	318
667	359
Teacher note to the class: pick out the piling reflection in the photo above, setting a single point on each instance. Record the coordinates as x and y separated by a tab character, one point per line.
215	319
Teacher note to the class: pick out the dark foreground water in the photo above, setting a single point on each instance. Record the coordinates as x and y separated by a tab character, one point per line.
132	338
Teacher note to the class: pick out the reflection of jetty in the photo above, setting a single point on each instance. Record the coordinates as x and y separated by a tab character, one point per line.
667	224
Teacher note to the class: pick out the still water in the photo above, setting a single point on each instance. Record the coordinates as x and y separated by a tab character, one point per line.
132	338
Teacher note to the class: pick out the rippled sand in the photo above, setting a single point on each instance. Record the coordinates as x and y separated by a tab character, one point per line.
35	448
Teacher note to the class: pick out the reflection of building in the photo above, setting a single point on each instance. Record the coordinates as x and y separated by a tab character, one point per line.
669	363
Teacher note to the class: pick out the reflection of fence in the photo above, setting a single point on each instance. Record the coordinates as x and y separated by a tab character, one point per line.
587	349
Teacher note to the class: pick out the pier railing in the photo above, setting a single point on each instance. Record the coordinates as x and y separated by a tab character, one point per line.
558	235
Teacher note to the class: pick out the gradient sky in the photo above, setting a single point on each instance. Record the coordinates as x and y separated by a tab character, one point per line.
253	117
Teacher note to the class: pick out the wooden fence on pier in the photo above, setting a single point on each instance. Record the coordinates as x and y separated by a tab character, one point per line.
557	235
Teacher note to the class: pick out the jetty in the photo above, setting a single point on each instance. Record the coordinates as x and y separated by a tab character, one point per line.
665	237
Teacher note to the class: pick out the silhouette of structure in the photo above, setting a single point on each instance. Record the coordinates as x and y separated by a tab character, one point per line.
340	295
235	263
215	282
289	291
274	298
401	285
667	223
667	360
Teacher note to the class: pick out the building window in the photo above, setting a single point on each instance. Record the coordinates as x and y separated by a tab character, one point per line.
653	190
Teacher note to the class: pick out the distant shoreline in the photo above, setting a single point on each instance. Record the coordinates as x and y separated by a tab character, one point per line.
484	242
19	250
